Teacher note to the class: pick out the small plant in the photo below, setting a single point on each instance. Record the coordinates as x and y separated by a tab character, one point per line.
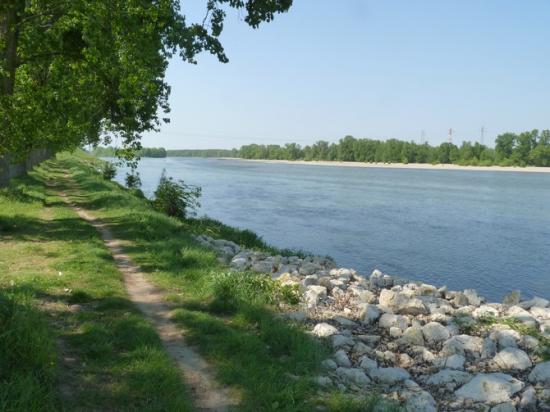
133	181
176	198
108	170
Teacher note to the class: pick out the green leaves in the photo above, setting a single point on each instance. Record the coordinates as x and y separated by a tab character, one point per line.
88	71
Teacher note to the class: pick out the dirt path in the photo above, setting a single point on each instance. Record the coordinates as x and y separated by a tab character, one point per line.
208	395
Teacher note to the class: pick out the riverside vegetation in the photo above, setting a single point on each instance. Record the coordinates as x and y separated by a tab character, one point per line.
72	340
287	331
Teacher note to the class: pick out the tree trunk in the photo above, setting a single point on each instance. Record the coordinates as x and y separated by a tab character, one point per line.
10	17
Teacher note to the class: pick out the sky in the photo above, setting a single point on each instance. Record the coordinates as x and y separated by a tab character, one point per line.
377	69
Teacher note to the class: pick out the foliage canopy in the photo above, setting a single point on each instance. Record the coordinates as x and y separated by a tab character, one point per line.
76	72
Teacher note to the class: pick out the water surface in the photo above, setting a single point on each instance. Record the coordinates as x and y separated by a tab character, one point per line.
465	229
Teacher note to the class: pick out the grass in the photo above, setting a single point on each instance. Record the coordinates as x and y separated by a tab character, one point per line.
54	258
99	355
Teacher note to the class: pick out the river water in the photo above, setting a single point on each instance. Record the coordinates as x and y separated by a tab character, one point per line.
465	229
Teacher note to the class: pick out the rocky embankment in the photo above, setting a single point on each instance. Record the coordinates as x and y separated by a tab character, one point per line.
430	348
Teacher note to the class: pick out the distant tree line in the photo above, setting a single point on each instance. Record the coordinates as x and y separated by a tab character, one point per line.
524	149
110	151
204	153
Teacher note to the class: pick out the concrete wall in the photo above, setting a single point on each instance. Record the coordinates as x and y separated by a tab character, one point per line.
9	169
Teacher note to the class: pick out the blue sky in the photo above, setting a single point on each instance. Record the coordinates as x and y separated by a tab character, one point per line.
377	69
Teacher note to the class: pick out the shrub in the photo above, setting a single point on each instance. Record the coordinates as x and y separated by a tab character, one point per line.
133	181
176	198
108	171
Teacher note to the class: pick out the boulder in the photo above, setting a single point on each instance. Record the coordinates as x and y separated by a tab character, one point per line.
541	374
512	298
506	338
354	375
412	336
540	313
339	341
313	295
528	402
329	364
449	378
389	376
504	407
522	316
323	381
435	332
463	344
387	320
369	313
324	330
379	280
512	359
491	388
535	302
419	401
485	311
341	358
402	303
368	364
454	362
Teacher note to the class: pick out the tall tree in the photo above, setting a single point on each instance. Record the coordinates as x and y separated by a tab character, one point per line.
74	72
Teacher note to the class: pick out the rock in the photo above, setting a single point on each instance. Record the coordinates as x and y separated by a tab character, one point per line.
512	359
506	338
339	341
379	280
329	364
405	361
308	268
390	376
323	381
314	293
402	303
485	311
540	313
472	296
435	332
354	375
395	332
512	298
297	316
449	378
528	401
412	336
370	340
455	362
491	388
522	316
545	329
360	349
369	313
341	358
535	302
529	343
310	280
368	364
462	344
419	401
387	320
541	374
489	348
344	321
504	407
366	296
460	300
324	330
262	267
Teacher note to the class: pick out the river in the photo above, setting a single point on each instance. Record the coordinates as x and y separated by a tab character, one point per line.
465	229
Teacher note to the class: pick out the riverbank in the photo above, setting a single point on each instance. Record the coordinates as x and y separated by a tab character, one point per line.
424	166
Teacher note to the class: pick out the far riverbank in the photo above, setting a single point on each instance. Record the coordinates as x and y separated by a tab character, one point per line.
429	166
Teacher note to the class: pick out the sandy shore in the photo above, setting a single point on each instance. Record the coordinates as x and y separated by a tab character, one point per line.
428	166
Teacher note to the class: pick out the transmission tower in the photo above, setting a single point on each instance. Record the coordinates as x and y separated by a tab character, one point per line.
422	136
451	135
482	134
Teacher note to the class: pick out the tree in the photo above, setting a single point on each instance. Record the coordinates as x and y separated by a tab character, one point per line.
76	72
504	145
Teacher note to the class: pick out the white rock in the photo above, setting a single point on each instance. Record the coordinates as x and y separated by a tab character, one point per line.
485	311
535	302
451	362
354	375
449	377
540	313
314	293
339	341
390	376
512	359
472	296
395	332
492	388
369	313
529	343
506	338
368	364
402	303
541	374
545	329
528	401
323	330
379	280
504	407
512	298
387	320
522	316
462	344
341	358
435	332
419	401
412	336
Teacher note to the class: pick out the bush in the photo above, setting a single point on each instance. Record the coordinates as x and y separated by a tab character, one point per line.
176	198
133	181
108	171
